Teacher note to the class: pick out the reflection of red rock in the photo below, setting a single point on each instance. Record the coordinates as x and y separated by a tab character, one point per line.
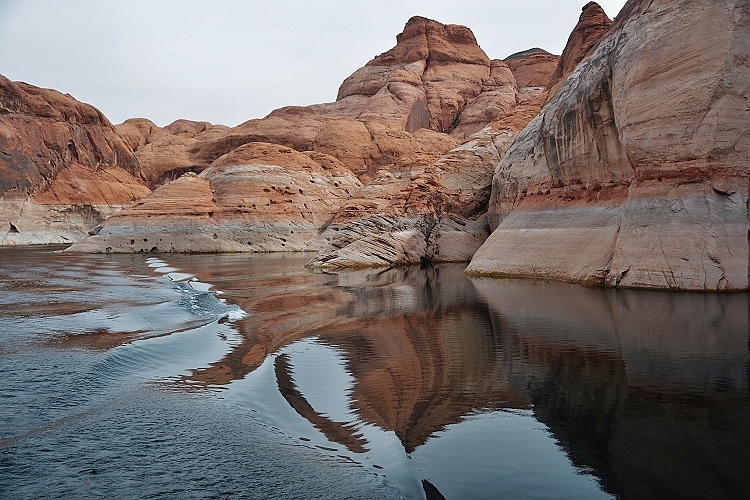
63	167
417	379
416	383
635	174
628	384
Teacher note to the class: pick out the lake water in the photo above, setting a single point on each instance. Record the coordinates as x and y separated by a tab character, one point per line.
249	376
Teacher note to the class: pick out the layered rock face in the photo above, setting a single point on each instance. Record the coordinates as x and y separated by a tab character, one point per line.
63	167
259	197
533	67
591	26
436	78
636	172
413	212
397	125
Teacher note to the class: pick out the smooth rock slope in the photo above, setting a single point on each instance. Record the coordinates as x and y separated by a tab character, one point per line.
636	172
63	166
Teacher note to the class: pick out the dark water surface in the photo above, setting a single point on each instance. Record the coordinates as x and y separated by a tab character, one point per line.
214	376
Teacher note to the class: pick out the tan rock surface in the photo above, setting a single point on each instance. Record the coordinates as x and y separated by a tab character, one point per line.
427	80
636	172
259	197
63	167
166	153
418	213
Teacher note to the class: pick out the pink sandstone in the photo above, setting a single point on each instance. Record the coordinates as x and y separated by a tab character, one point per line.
636	172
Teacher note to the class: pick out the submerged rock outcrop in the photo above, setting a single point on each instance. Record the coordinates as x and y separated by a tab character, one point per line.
63	167
636	173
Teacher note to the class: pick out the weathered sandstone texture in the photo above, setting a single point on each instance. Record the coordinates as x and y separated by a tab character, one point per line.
259	197
591	26
436	78
399	185
533	67
635	174
165	153
413	212
63	167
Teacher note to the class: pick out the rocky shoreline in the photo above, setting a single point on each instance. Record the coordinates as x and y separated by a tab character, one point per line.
624	162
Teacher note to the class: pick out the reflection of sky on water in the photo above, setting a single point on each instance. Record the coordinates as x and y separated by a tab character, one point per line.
501	453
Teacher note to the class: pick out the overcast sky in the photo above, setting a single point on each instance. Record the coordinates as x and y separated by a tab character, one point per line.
227	61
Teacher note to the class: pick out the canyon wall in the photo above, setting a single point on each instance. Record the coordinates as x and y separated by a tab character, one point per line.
635	174
63	167
413	139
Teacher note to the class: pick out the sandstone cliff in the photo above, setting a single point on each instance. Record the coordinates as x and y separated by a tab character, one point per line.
63	167
397	125
165	153
591	26
636	172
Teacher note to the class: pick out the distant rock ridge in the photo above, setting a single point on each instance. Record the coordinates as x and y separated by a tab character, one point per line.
636	173
414	193
532	67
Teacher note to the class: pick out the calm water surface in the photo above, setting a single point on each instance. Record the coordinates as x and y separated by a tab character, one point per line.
213	376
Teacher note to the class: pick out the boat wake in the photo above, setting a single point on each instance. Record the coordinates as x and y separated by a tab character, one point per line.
199	298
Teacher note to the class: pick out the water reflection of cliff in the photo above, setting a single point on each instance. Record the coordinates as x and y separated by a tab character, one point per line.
649	390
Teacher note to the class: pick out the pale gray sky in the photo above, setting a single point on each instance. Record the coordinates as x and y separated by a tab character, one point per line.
226	61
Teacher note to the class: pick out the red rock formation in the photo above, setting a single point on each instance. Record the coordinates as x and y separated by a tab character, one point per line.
387	126
259	197
165	153
636	172
591	26
533	67
63	167
436	77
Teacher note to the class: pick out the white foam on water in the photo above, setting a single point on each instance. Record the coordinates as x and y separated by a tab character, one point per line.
199	286
165	269
179	276
198	297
